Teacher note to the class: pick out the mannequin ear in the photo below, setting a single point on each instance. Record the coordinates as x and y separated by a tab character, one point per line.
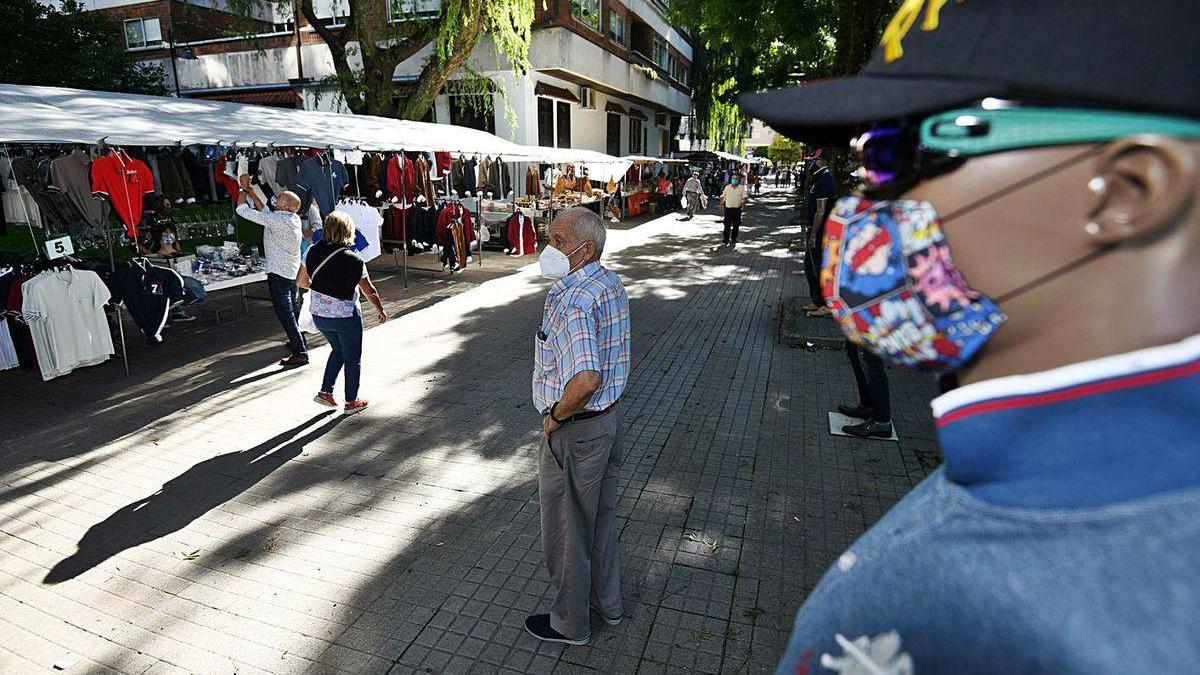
1144	184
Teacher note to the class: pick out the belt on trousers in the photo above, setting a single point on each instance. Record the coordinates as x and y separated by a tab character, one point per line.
590	414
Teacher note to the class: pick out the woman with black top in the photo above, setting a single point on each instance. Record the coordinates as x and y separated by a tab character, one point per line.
335	275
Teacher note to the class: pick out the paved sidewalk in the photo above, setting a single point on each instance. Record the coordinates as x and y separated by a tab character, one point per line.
211	519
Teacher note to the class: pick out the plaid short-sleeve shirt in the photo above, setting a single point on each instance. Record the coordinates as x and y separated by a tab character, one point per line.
585	326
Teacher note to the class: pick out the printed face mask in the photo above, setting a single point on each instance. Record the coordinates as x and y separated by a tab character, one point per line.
890	282
168	239
554	263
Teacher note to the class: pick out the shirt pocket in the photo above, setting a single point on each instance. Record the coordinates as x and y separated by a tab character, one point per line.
543	355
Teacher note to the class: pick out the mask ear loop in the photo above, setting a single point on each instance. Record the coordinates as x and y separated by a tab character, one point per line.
1054	274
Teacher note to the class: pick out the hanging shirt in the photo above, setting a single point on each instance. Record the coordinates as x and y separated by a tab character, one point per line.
71	175
72	331
401	179
521	237
148	293
125	181
321	180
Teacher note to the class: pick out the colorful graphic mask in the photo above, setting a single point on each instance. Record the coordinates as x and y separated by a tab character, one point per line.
890	281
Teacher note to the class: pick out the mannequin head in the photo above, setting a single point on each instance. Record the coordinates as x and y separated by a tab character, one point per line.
1090	250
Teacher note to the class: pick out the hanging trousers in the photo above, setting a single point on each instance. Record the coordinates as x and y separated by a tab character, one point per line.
870	375
578	475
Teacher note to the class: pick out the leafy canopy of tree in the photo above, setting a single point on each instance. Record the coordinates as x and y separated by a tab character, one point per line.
69	47
751	46
784	150
369	47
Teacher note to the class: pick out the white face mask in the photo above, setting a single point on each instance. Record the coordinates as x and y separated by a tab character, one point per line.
554	263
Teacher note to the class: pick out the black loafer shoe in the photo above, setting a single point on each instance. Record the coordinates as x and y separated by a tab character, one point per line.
538	626
869	429
608	620
858	412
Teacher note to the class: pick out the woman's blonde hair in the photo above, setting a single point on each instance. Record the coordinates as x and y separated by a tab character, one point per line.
339	229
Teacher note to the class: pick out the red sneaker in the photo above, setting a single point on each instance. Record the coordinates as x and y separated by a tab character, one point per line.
355	406
326	400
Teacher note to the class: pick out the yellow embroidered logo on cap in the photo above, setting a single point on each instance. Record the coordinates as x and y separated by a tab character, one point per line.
905	17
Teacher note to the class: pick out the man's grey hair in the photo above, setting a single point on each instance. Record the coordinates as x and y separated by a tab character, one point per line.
587	226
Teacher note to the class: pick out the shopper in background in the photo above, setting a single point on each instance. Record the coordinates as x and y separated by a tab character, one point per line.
820	200
613	200
874	400
281	248
733	198
662	189
335	275
691	193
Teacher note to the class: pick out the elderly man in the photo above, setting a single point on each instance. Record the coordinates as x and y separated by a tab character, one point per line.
581	363
281	247
691	193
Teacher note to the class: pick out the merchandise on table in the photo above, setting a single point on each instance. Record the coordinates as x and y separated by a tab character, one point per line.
214	265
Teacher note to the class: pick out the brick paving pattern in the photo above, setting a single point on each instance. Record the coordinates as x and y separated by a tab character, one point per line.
203	516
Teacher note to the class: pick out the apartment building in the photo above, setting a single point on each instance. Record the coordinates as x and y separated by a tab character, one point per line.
606	75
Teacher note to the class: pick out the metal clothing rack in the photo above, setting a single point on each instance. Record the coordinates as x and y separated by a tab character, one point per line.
101	146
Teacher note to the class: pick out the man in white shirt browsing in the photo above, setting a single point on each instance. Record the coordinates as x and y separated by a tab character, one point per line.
281	247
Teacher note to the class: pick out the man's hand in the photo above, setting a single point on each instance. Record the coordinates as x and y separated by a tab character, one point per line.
244	181
548	426
379	314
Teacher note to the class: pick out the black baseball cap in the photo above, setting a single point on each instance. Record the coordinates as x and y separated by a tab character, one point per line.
938	54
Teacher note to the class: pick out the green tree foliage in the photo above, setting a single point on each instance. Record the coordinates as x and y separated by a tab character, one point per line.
784	150
751	46
69	47
368	48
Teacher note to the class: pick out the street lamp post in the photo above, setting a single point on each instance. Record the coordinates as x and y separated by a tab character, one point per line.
174	69
189	54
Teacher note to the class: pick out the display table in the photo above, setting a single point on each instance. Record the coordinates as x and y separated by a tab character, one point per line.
239	283
235	282
636	203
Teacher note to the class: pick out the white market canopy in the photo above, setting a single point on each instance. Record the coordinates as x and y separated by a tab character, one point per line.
642	159
34	114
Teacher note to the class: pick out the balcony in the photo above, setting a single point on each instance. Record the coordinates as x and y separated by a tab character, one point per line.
562	53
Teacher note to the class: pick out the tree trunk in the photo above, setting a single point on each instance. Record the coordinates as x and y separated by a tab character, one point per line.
858	27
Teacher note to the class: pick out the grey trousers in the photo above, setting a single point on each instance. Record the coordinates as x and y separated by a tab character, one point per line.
578	474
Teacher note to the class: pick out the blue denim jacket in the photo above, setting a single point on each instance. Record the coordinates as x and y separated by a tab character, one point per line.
1061	536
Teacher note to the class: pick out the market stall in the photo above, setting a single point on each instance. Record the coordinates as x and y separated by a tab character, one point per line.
131	163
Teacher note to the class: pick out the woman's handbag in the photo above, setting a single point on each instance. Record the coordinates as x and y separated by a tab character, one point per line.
306	323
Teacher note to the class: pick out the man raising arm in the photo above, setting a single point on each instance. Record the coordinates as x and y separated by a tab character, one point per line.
281	247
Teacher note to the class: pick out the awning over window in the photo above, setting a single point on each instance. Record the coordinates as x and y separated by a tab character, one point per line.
637	114
614	108
281	98
543	89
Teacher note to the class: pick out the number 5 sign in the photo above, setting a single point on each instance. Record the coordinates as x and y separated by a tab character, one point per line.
57	248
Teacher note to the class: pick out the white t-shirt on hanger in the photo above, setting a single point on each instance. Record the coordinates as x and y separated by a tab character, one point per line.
72	330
